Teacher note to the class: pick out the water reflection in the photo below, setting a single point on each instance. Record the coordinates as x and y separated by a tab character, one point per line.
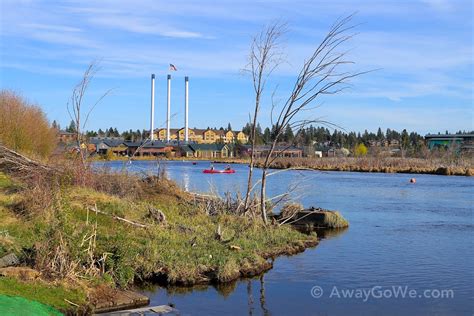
186	181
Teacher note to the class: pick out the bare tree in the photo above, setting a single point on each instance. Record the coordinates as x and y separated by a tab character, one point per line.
265	55
76	109
320	75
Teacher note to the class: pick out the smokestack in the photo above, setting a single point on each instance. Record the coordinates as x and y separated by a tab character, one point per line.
186	108
168	115
152	119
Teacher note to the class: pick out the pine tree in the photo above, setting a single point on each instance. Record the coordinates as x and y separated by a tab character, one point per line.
72	127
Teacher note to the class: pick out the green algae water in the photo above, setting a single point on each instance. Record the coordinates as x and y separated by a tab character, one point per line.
14	306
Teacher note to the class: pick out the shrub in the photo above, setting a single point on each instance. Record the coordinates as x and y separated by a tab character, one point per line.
24	126
360	150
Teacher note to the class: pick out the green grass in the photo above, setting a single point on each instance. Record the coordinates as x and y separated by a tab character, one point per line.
184	249
139	253
52	295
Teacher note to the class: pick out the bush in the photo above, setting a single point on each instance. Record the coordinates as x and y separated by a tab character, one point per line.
360	150
24	126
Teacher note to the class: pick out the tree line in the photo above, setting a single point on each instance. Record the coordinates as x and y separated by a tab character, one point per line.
320	135
308	136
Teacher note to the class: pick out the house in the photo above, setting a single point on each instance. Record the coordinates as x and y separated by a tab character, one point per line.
394	143
132	147
211	150
326	150
279	151
154	148
103	144
66	137
184	151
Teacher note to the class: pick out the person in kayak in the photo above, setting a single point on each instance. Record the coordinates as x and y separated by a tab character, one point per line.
212	167
227	167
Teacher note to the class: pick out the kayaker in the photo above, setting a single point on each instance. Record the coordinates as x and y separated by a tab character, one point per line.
212	167
227	167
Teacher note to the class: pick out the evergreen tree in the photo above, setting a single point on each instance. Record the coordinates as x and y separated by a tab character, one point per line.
267	137
288	136
72	127
405	139
380	135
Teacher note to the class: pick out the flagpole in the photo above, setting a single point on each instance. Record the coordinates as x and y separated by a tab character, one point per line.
168	115
186	108
152	119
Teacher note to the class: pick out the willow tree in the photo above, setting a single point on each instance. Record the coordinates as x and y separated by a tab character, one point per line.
325	72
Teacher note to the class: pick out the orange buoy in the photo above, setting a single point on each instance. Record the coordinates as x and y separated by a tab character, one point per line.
412	180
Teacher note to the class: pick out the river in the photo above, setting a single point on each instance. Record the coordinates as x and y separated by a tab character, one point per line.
408	250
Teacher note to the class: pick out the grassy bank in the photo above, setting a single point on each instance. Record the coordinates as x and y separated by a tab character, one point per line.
117	230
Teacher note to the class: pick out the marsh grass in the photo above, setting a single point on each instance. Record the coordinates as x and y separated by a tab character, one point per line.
462	167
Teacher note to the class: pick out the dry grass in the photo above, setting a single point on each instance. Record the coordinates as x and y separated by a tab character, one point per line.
461	167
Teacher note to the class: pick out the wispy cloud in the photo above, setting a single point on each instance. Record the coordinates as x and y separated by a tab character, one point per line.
423	48
48	27
143	26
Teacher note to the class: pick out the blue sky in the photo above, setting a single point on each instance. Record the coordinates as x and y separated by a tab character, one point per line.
423	49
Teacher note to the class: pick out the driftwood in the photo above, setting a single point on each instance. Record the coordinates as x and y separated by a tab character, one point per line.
314	218
94	209
18	165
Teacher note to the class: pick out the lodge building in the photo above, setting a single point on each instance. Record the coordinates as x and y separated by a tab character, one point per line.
203	136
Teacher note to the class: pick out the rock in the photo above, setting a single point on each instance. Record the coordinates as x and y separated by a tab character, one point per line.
9	260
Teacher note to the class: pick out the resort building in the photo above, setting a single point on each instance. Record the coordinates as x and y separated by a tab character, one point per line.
461	142
204	136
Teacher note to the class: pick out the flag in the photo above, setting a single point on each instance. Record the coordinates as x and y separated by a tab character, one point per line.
173	68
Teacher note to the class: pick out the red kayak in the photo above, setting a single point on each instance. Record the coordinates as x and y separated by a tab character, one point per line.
218	171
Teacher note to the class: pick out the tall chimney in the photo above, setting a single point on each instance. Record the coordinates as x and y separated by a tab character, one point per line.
186	108
152	119
168	114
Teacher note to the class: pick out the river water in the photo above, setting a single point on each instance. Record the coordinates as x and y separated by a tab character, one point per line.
408	250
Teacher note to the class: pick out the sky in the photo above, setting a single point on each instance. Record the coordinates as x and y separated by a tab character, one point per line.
422	51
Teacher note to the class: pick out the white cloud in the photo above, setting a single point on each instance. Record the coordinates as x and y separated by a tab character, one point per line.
137	25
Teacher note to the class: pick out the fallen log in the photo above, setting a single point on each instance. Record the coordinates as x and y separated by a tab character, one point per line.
94	209
18	165
314	218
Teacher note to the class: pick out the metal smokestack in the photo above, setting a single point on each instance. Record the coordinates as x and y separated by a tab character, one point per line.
186	108
152	119
168	114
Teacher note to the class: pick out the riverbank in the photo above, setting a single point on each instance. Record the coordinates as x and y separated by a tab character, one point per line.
463	167
120	229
